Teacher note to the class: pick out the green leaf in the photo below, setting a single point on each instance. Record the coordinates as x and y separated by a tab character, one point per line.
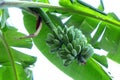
100	29
56	20
3	55
22	58
113	16
0	12
12	36
25	61
74	20
115	56
101	59
101	6
109	41
5	16
6	73
13	64
80	72
21	62
79	8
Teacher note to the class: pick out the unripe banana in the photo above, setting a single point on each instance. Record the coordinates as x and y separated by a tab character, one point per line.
70	44
57	42
65	30
67	62
66	50
51	36
54	47
74	53
86	49
74	43
70	57
60	37
71	34
62	55
55	33
78	48
60	31
78	33
88	52
65	39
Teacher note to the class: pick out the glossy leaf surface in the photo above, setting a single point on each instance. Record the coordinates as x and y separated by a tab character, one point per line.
80	71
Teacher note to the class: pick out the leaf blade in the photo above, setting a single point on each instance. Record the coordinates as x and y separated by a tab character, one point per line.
80	72
12	37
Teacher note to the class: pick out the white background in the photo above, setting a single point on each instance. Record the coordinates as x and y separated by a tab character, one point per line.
43	69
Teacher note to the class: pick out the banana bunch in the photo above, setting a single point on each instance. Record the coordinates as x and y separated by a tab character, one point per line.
70	44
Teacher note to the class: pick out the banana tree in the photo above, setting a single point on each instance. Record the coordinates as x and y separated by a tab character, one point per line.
67	35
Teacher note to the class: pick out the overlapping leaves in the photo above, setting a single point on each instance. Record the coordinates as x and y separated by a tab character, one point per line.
87	25
103	37
13	64
80	72
104	25
41	39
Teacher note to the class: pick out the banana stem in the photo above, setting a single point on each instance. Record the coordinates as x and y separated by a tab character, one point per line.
26	4
45	17
39	13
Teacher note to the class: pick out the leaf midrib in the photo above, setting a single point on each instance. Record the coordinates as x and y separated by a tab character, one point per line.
10	56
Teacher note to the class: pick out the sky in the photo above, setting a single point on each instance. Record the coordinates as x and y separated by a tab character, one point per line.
45	70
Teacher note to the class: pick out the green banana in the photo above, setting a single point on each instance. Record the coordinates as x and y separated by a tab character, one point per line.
65	30
60	31
74	43
74	53
54	47
70	44
62	55
78	48
57	42
50	38
55	33
67	62
65	39
77	33
70	57
66	50
89	52
71	34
